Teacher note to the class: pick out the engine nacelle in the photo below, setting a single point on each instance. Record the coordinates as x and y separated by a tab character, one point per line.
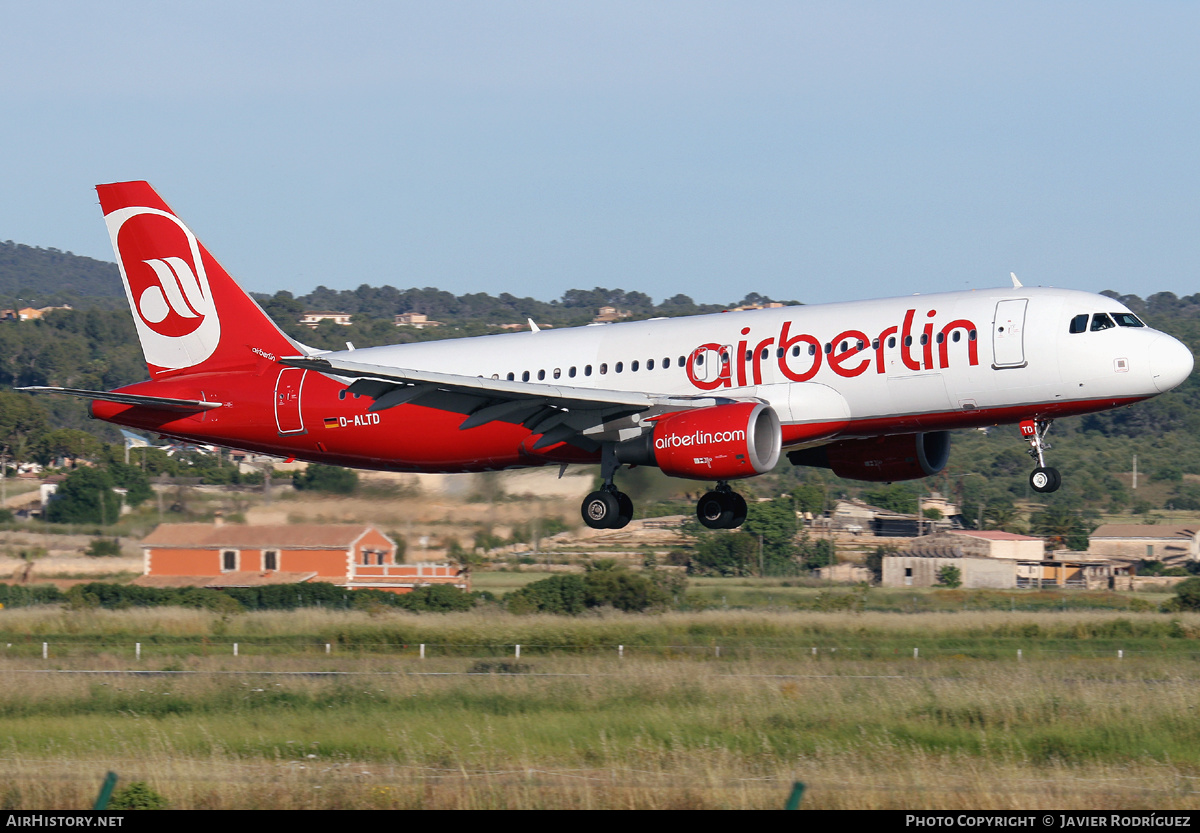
721	442
881	459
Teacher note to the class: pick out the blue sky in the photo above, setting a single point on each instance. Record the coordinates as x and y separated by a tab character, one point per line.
816	151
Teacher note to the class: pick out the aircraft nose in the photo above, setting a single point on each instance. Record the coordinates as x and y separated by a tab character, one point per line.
1170	363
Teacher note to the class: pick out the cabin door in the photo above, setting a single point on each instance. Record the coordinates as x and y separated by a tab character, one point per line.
1008	334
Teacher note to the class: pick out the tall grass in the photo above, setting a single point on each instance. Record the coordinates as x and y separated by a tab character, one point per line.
638	733
862	722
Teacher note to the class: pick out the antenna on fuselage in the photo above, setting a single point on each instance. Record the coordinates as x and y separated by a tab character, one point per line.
1016	283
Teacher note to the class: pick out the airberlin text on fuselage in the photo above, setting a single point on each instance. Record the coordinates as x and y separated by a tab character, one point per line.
917	353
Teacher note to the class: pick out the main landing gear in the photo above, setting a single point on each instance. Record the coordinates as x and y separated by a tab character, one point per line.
609	508
721	509
1044	478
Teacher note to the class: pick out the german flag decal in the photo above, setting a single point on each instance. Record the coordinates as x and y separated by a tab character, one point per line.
332	422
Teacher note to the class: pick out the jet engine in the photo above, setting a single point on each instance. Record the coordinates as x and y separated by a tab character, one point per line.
721	442
881	459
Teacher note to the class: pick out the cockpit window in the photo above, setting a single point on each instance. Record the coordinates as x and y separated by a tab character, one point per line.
1100	321
1127	319
1079	323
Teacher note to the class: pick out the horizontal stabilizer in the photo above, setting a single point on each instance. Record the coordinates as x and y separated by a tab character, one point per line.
162	403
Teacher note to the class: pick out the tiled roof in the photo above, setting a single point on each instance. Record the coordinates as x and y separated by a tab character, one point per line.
1146	531
993	535
241	536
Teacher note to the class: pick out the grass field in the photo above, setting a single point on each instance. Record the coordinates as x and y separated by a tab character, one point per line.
862	722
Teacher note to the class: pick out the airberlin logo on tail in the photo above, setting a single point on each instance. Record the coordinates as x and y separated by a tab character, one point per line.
166	284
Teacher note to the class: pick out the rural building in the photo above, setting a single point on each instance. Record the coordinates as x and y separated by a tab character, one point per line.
857	517
921	569
606	315
315	317
1173	544
983	544
236	555
417	320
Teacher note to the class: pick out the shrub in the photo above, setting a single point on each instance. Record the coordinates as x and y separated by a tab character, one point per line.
319	478
1187	595
104	547
573	594
949	576
85	497
137	796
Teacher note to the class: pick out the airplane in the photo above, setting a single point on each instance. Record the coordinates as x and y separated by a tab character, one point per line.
869	389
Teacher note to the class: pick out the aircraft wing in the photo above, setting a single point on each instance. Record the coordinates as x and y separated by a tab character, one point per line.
559	413
163	403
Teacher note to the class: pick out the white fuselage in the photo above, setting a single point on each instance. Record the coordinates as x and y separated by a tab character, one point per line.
889	365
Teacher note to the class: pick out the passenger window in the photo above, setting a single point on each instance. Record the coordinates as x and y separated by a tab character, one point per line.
1079	323
1127	319
525	376
682	361
342	393
587	370
603	369
649	364
541	375
956	336
620	366
571	373
511	377
667	363
892	341
908	341
1100	321
972	335
749	355
924	339
557	372
828	348
633	366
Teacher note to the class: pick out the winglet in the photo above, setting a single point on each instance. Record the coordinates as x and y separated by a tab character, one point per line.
1016	283
533	328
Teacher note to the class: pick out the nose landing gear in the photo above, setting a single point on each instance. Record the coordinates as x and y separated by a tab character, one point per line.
1044	478
722	508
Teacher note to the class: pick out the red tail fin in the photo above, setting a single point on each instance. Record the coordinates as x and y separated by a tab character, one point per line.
190	315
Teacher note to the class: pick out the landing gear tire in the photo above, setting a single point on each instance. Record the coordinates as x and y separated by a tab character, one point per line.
601	510
1045	479
721	509
624	511
739	511
606	509
715	510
